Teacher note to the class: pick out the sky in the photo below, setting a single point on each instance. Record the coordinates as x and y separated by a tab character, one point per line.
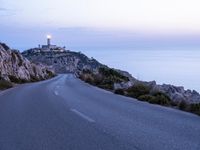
101	23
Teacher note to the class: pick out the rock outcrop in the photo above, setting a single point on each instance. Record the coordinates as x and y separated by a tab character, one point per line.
63	62
175	93
178	94
15	68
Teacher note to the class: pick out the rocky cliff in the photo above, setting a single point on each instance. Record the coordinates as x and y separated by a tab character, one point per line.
176	93
63	62
15	68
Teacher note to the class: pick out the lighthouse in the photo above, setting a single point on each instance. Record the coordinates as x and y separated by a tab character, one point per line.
49	41
49	46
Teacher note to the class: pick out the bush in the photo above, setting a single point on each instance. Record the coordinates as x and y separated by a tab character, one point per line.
34	79
138	90
195	108
106	86
112	74
16	80
5	84
89	80
146	97
104	79
161	99
119	91
182	105
50	74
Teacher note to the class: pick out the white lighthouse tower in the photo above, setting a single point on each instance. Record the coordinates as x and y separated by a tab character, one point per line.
49	41
50	47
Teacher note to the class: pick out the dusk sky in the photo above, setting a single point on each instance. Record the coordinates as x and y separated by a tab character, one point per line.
101	23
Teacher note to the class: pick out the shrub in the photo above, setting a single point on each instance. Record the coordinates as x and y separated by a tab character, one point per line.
34	79
86	71
119	91
89	80
50	74
104	79
106	86
161	99
195	108
173	103
182	105
5	84
16	80
112	74
146	97
138	90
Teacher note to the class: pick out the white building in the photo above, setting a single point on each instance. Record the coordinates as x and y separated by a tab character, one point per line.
50	47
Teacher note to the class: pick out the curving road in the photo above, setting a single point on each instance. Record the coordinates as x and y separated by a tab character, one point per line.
65	113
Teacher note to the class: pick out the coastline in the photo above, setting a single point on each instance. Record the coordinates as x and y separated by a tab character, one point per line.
175	67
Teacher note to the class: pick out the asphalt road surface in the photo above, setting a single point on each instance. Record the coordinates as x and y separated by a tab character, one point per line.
65	113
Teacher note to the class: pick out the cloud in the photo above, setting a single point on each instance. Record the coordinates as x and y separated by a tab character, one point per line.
6	12
3	9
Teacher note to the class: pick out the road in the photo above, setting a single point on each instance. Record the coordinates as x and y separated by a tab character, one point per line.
65	113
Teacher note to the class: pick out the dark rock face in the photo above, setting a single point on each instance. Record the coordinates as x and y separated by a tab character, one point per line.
63	62
14	67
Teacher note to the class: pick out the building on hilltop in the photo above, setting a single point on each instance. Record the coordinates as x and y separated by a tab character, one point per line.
50	47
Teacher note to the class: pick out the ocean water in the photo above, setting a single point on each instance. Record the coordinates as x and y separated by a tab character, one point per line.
177	67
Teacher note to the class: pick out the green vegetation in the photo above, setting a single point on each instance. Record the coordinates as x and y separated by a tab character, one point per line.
195	108
161	99
35	79
50	74
146	98
16	80
138	90
119	91
143	92
183	105
113	75
104	79
5	85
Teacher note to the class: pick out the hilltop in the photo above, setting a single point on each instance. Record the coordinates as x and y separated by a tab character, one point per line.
63	61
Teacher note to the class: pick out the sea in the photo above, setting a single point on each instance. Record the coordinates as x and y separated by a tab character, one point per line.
176	67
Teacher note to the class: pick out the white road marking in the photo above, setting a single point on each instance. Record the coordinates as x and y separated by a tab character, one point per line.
82	115
56	90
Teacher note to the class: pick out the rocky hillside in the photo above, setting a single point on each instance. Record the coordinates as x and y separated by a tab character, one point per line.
62	62
15	68
122	83
176	93
91	71
104	78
